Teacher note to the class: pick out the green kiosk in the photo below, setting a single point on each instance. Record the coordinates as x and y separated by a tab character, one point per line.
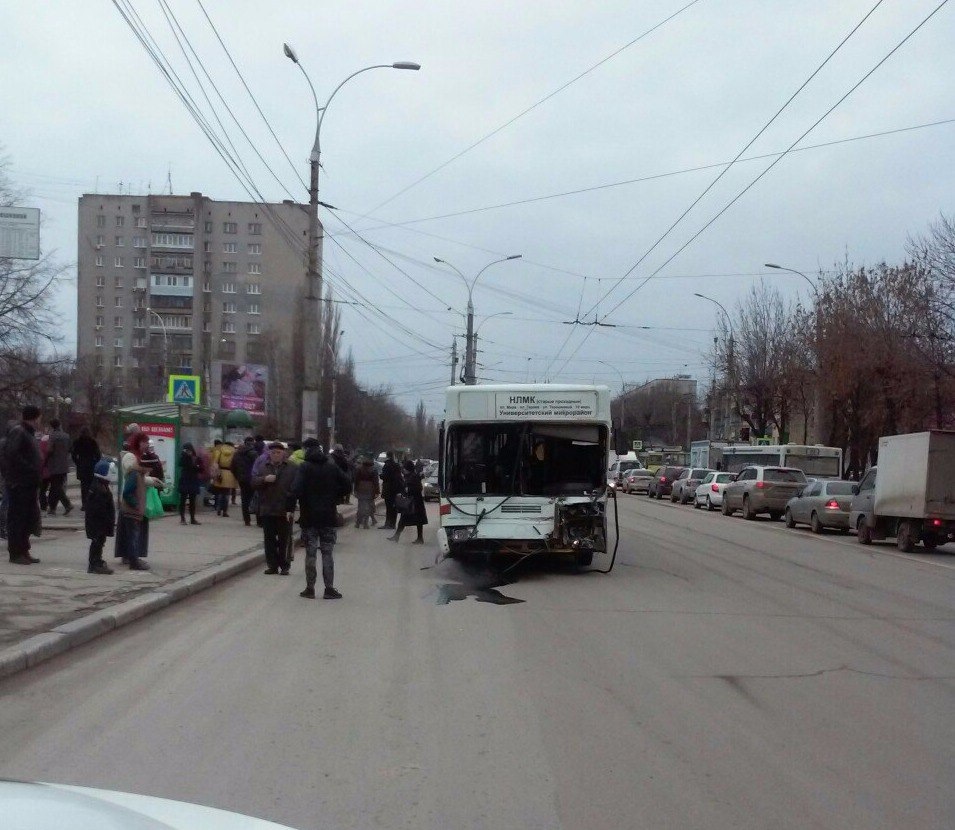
169	426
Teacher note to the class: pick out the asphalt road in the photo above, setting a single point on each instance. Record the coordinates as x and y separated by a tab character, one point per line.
726	674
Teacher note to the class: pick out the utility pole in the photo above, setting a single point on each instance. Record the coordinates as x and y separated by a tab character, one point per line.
454	361
331	418
469	350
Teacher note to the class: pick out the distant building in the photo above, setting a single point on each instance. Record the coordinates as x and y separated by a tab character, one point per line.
179	284
662	411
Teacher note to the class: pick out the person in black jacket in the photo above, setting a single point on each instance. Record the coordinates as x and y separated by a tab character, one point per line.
319	487
242	463
100	515
22	473
190	469
392	484
85	454
416	514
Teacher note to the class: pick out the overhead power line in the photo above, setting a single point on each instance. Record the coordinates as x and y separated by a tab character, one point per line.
746	189
532	107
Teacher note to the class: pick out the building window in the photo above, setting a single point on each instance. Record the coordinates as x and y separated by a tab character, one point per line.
255	268
119	242
172	240
207	246
229	267
139	262
100	281
118	283
100	241
101	221
118	361
99	260
228	308
99	321
230	227
98	341
100	302
99	361
255	248
118	262
230	247
118	303
207	326
255	228
254	308
134	362
253	288
139	323
120	221
117	322
139	241
208	227
252	328
118	342
228	327
141	222
228	288
207	287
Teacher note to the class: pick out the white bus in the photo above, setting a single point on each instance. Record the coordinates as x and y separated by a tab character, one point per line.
523	470
815	461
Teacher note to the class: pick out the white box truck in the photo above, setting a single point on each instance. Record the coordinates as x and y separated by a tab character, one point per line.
910	495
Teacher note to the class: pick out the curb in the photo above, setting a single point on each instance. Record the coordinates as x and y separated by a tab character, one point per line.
41	647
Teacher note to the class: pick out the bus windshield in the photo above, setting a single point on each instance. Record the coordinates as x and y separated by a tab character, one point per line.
509	459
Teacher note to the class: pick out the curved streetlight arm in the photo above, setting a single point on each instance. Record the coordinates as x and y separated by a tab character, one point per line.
456	271
812	285
491	317
495	262
729	320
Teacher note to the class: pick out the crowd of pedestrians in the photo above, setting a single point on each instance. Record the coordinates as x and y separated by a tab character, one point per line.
272	481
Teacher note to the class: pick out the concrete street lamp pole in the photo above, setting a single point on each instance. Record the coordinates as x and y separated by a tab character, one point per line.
165	349
470	376
623	396
311	330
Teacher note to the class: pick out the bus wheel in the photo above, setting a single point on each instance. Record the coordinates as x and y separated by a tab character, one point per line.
585	559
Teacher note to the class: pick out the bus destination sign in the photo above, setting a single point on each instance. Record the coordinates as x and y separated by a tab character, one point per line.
562	405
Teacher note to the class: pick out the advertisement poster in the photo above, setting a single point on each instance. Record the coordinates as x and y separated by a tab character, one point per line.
243	386
163	439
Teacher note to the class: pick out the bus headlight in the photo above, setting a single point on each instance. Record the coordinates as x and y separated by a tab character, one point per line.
460	534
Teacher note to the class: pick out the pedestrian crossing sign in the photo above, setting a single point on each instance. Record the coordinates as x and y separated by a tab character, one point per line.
184	389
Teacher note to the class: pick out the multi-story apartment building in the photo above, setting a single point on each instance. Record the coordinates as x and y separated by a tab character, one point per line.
177	284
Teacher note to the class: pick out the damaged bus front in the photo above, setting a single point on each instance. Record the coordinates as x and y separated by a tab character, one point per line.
523	470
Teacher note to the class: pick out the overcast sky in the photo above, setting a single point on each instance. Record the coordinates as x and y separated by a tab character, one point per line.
83	108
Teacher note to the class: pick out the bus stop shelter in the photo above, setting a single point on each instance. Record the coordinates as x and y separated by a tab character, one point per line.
169	426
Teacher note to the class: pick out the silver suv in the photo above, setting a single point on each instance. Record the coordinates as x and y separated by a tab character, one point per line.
684	488
762	490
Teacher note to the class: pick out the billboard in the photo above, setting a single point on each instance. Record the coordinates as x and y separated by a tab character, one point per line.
243	386
19	233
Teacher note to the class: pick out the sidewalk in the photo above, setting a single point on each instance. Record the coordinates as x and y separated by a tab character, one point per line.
55	605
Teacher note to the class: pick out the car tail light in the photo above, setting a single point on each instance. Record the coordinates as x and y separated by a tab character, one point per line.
445	510
663	479
936	522
715	488
760	485
832	504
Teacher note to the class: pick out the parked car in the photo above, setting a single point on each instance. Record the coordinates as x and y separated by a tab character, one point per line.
822	503
637	480
684	488
760	489
617	472
430	489
662	483
709	493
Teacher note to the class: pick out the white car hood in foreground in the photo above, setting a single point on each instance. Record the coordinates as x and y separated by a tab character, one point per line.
38	806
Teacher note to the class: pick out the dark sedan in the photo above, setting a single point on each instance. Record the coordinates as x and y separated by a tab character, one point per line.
662	484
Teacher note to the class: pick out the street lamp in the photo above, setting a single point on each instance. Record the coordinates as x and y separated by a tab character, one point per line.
729	361
469	350
310	331
812	285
